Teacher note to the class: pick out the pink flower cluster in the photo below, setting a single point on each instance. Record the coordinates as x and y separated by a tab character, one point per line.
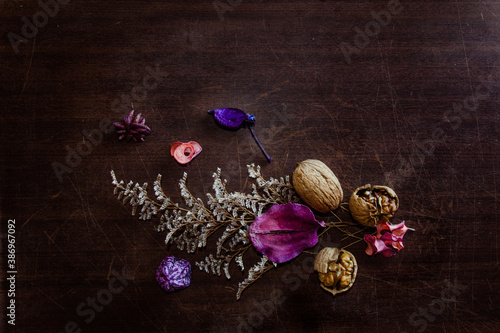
388	243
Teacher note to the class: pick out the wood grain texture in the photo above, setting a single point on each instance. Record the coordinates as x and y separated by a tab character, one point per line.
386	117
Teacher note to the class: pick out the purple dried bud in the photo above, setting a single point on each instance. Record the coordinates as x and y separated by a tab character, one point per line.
233	119
173	274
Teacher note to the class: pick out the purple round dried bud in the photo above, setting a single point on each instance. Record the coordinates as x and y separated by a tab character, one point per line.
173	274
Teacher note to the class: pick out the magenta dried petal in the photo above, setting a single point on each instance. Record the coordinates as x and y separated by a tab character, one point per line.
119	125
128	119
142	126
388	252
371	243
388	237
173	274
284	231
138	118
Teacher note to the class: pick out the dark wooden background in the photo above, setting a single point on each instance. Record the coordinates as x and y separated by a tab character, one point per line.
386	117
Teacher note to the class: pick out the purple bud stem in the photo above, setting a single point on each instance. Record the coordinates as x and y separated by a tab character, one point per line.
269	159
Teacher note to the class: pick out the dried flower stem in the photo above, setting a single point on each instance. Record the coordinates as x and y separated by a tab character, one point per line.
269	159
355	242
341	226
254	273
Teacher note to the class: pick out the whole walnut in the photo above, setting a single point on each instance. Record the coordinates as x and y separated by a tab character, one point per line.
317	185
370	204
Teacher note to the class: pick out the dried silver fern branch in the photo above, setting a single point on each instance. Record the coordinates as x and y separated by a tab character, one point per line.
189	226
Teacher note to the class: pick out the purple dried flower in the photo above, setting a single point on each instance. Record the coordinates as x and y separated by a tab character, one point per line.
132	128
233	119
284	231
173	274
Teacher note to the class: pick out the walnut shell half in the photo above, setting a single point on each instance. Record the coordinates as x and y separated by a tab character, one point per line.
337	269
369	204
317	185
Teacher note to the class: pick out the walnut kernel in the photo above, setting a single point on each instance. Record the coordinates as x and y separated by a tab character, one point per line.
337	269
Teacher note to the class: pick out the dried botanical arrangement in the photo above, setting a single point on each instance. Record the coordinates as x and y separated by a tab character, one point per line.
189	226
270	219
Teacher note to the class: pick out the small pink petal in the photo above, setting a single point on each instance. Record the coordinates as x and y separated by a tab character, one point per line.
397	229
197	147
174	146
179	150
388	252
376	245
381	226
392	240
398	245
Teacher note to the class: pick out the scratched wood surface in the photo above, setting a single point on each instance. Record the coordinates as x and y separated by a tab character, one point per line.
404	94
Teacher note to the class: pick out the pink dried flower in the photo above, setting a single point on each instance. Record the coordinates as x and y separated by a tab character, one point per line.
376	245
388	243
399	229
392	240
185	152
132	128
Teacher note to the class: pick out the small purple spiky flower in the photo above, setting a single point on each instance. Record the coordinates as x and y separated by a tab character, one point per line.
132	128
